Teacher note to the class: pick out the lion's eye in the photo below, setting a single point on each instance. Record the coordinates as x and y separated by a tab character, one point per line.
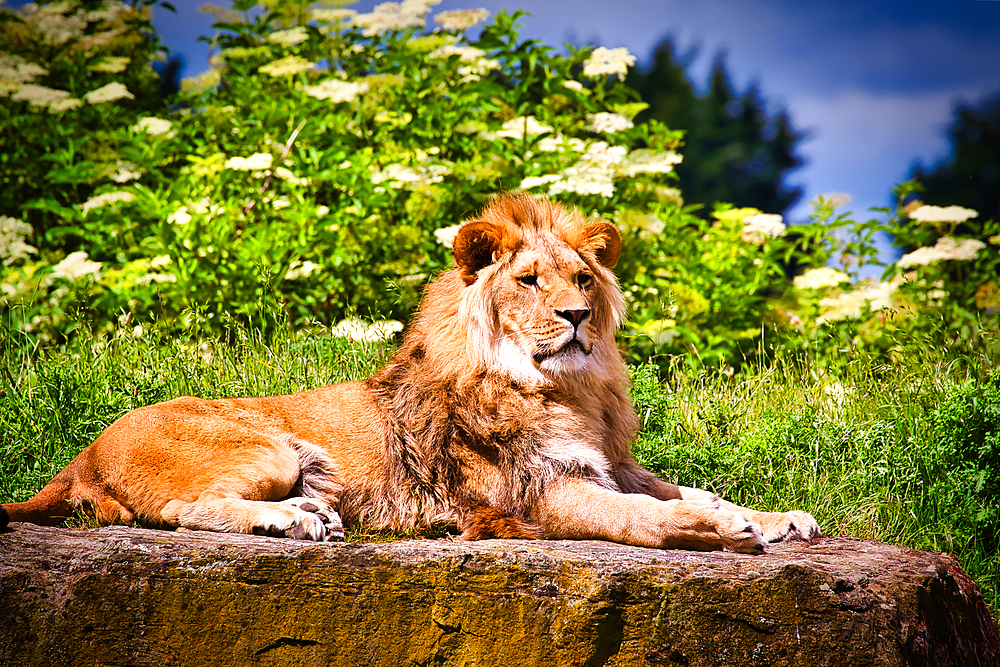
528	280
584	280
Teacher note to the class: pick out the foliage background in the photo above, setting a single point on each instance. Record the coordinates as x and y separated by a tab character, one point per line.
317	172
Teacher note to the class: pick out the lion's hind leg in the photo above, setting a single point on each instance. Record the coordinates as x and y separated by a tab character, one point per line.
281	487
297	518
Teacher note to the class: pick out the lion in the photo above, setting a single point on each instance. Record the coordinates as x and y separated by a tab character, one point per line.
505	413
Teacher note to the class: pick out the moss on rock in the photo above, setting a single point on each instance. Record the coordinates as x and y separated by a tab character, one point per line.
139	597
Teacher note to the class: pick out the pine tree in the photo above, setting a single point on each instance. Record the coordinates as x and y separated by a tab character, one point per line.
734	151
970	176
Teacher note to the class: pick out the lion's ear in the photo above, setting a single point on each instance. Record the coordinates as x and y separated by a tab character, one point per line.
602	239
475	246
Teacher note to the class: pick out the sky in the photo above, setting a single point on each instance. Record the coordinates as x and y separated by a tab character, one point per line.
873	83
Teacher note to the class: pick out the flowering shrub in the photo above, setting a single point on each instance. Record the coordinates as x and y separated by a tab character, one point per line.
320	163
942	290
319	170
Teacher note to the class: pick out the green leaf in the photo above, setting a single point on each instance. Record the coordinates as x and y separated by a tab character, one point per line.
81	172
630	110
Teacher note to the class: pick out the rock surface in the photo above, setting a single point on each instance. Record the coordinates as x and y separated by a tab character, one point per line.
125	596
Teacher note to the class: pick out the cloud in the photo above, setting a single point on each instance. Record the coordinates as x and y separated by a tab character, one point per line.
877	136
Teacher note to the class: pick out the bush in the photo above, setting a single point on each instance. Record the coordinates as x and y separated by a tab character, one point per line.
318	170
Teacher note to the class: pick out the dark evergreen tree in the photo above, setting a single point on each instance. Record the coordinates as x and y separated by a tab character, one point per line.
970	176
734	151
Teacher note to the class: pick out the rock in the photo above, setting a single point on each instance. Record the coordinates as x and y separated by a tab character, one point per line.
127	596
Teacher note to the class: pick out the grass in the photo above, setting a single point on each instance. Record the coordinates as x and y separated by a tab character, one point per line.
905	453
54	403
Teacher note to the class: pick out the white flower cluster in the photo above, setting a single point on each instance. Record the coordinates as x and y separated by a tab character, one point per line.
478	63
927	213
204	206
603	62
58	23
759	227
301	270
210	78
561	144
12	235
394	16
593	174
109	93
851	305
461	19
179	217
289	37
328	15
819	278
337	91
288	66
16	71
39	96
607	123
160	261
126	172
357	330
255	162
518	128
945	248
76	265
100	201
446	235
52	21
419	176
646	161
152	125
149	278
287	176
157	263
538	181
111	10
221	14
111	64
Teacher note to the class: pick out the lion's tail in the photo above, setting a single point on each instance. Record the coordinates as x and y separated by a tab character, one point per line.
52	505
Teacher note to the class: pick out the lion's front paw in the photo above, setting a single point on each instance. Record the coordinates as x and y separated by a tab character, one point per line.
781	526
738	534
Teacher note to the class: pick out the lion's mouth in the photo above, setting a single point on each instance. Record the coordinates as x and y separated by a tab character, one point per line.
544	353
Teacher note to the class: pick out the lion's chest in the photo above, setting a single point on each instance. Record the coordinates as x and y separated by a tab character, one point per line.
537	440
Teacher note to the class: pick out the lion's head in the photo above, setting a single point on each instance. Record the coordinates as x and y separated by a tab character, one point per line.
532	295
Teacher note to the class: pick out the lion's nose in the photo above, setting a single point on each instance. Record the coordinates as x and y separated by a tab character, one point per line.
574	317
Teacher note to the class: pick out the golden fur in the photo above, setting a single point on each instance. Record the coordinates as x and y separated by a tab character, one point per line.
505	413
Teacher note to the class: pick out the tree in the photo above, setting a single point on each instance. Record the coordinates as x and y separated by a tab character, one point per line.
734	151
970	176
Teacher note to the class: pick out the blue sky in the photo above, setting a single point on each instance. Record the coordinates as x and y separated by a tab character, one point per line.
874	82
